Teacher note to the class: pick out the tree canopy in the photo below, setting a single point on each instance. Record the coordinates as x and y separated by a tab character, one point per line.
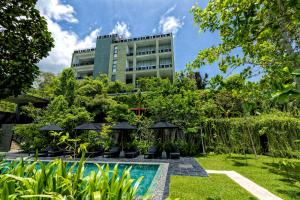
24	41
266	33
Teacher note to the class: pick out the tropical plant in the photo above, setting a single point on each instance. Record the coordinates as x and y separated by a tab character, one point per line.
23	28
60	180
264	34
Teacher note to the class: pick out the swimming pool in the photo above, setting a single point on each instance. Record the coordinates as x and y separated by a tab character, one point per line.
154	174
137	170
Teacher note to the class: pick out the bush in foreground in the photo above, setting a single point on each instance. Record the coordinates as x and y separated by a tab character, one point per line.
57	180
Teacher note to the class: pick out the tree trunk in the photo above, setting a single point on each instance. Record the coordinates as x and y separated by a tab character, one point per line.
251	140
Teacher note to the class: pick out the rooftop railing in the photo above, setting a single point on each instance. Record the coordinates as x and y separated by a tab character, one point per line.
84	50
83	63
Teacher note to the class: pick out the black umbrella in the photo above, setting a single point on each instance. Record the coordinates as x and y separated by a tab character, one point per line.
123	127
163	125
51	127
88	126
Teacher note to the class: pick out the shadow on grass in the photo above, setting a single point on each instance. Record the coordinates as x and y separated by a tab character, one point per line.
290	178
293	194
240	164
239	157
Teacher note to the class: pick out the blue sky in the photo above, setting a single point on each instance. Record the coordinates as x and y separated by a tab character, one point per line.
76	23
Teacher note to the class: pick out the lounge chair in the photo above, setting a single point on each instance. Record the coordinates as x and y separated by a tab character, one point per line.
94	152
132	153
40	152
113	152
53	152
175	155
152	151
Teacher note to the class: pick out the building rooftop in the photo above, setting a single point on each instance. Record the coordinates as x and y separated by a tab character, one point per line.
119	40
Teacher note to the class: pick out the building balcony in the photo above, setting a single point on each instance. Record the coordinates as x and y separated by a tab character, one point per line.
84	50
129	54
139	68
161	66
145	52
129	69
164	50
83	63
146	67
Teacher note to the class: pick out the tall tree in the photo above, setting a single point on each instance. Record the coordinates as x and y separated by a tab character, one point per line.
24	41
267	32
67	85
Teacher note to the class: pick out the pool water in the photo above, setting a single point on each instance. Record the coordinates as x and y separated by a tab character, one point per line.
148	171
137	170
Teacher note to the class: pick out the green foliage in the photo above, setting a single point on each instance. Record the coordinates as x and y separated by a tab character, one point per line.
263	33
57	180
24	41
7	107
232	135
58	112
30	137
67	85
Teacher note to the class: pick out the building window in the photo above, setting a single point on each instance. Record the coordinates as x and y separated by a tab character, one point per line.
114	67
113	77
115	49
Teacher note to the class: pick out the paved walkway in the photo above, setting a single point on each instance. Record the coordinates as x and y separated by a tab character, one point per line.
250	186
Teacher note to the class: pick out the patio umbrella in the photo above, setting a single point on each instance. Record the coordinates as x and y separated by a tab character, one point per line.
51	127
88	126
123	127
163	125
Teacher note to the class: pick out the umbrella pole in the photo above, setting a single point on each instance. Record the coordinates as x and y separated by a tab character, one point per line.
122	154
163	154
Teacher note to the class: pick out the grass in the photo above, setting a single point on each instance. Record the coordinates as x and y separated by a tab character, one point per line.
214	187
263	170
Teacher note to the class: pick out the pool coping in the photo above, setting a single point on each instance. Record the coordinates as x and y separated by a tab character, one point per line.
156	189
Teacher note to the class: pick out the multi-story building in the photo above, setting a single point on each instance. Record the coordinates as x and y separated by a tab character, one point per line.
127	60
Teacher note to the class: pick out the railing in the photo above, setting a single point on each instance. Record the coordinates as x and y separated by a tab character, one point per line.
145	52
84	50
144	38
129	69
146	67
165	65
141	68
164	50
83	63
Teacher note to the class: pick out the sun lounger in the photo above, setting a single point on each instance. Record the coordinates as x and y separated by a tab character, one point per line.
113	152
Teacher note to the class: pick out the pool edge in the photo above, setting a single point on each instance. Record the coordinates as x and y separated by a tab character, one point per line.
157	186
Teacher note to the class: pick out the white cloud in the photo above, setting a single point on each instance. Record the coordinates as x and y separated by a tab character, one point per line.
170	10
122	29
170	24
57	11
154	30
65	41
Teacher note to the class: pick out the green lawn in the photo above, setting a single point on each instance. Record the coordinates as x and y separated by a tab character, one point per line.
214	187
262	170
